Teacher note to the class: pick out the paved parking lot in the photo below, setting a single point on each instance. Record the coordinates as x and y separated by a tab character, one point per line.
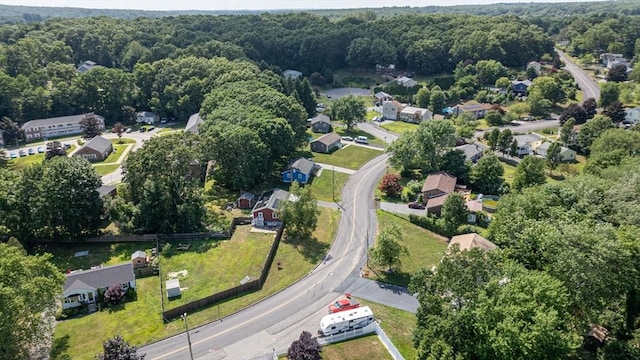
342	92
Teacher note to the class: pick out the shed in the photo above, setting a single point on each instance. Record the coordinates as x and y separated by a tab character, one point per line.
173	288
139	259
246	200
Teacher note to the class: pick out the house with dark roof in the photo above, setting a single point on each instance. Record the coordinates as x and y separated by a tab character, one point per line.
96	149
477	110
320	124
193	124
326	143
300	170
381	96
56	127
264	212
86	66
520	87
85	286
473	152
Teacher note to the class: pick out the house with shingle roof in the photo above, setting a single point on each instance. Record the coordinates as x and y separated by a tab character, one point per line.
381	96
85	286
86	66
96	149
300	170
436	189
320	124
193	124
470	241
56	127
326	143
473	152
264	212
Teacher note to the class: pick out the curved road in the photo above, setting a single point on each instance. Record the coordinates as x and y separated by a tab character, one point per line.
589	88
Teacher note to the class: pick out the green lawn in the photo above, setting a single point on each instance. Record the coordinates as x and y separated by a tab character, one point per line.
550	132
371	114
115	155
350	157
122	140
105	169
425	249
355	132
364	348
99	253
25	161
321	185
509	171
397	324
400	127
139	321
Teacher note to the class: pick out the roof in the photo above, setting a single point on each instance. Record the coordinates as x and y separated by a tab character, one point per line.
470	150
98	143
145	114
138	254
474	205
56	121
100	278
470	241
105	190
474	107
328	139
173	284
524	82
413	110
440	181
320	118
247	195
272	202
545	147
302	164
526	139
193	123
291	73
382	95
436	201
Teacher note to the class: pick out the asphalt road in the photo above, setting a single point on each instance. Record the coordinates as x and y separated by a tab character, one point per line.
276	321
589	88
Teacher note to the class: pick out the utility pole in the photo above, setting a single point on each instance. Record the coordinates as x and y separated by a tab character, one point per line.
333	183
186	326
367	249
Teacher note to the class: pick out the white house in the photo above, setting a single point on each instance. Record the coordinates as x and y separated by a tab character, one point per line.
84	286
147	117
566	154
535	65
527	143
415	115
632	116
56	127
390	110
291	74
406	82
193	124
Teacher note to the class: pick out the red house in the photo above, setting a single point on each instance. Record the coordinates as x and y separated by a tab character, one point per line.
265	211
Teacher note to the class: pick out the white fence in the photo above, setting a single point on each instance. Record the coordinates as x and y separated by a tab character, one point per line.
371	328
388	344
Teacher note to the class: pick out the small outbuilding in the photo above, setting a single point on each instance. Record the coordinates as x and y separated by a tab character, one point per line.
139	259
173	288
246	201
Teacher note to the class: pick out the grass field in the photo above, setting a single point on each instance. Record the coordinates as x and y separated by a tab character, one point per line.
25	161
321	185
397	324
105	169
350	157
139	321
364	348
115	155
400	127
425	249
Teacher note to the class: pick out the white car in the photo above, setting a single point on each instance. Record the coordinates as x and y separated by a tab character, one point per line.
347	138
362	140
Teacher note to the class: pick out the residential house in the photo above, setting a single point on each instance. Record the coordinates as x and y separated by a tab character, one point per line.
566	154
471	241
326	143
299	170
527	143
477	110
96	149
391	110
606	58
193	124
147	117
56	127
535	65
381	96
386	69
474	207
406	82
139	259
86	66
321	124
562	42
292	74
473	152
246	200
415	115
434	205
264	212
107	191
632	116
438	184
520	87
85	286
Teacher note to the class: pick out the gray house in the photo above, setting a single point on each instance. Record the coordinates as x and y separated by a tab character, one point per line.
472	152
97	149
320	124
84	286
193	124
326	143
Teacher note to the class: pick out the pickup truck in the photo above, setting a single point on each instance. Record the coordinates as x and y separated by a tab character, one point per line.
347	303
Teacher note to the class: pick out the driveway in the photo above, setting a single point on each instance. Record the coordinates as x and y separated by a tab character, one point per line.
401	208
342	92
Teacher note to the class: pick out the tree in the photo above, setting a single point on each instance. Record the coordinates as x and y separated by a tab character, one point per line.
590	131
129	114
454	212
503	83
390	185
615	111
91	126
118	129
300	213
489	71
519	108
493	138
549	88
609	92
486	175
455	162
11	131
437	100
388	249
30	287
553	156
423	147
113	295
422	97
529	172
590	107
54	149
305	348
349	109
118	349
493	118
566	131
504	141
575	112
618	73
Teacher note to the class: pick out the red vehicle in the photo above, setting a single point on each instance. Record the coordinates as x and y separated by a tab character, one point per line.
347	303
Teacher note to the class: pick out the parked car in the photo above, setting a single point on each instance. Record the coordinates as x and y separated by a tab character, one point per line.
377	119
67	146
13	155
151	128
143	129
128	130
347	138
31	152
416	205
163	121
40	150
362	140
22	153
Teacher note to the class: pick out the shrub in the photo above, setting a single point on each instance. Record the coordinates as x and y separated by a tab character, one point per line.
411	191
390	185
113	295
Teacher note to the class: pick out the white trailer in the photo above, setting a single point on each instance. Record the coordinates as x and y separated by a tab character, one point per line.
346	320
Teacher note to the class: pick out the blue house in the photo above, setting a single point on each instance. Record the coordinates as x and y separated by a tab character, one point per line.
520	87
299	170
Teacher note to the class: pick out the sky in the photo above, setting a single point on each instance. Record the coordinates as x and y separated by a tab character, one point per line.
251	4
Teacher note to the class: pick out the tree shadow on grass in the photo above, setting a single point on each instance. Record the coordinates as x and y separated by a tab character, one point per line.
59	348
311	249
175	247
396	277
